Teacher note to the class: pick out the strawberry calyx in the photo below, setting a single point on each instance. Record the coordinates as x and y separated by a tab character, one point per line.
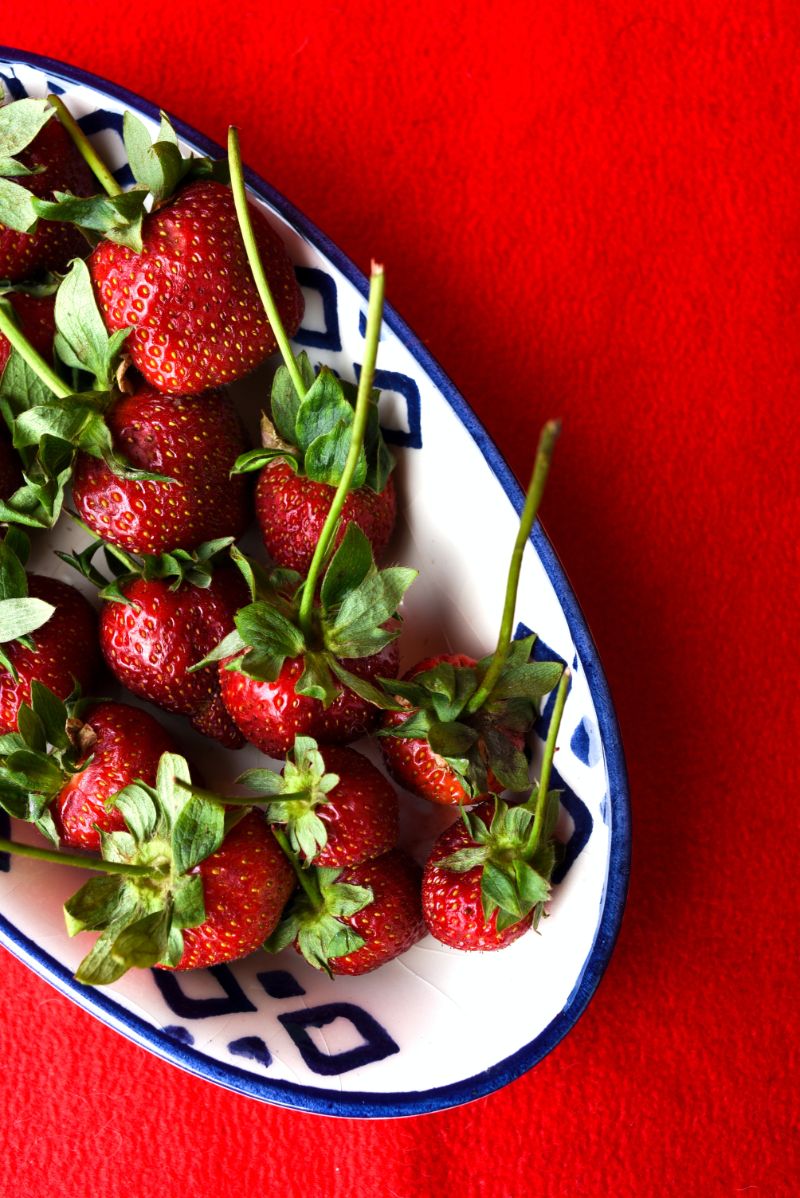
180	567
485	744
291	798
20	613
313	920
516	850
21	121
52	743
171	828
355	616
312	431
159	170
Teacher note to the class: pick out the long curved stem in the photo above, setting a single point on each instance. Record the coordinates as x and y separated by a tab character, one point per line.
40	368
85	148
366	379
254	258
544	453
547	762
57	858
305	877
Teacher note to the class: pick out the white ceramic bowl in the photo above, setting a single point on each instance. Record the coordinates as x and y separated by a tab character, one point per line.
437	1027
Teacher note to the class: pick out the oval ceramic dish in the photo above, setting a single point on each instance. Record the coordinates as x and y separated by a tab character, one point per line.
416	1035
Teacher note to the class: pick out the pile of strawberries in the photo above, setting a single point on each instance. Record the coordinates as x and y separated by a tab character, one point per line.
123	318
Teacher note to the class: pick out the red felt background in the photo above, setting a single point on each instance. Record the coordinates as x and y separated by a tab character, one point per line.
588	208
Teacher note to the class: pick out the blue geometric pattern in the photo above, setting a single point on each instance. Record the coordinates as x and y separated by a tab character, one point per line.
330	337
252	1047
376	1041
402	384
279	983
582	826
232	1001
177	1032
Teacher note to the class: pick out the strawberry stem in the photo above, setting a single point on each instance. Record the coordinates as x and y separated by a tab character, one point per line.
366	379
93	863
85	148
10	330
305	877
544	453
547	764
254	258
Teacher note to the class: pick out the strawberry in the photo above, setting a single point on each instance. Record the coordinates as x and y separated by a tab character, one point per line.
95	750
38	159
353	920
36	317
48	632
488	876
151	472
121	744
194	884
10	472
463	730
161	617
177	275
193	440
336	807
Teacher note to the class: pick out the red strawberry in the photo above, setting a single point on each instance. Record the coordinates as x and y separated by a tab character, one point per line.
413	762
122	744
51	245
151	641
196	884
271	714
336	807
291	511
353	920
192	439
10	469
65	655
246	885
452	900
189	296
36	317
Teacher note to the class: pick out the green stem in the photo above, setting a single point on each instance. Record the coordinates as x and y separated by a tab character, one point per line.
114	550
305	877
547	764
254	258
10	330
366	379
544	453
85	148
94	863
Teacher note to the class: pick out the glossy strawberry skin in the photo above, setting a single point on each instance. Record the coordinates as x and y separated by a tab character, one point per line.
291	510
150	642
246	885
128	747
361	815
411	761
53	244
451	901
66	650
270	714
392	923
194	440
189	296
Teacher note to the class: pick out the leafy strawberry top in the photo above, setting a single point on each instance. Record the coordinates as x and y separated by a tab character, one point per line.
355	616
37	760
158	167
291	799
516	850
171	828
20	613
194	567
314	918
50	419
311	430
489	739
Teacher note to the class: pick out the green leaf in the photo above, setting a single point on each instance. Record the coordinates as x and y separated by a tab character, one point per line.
144	942
464	859
356	630
229	646
17	209
31	728
136	803
380	460
19	617
265	629
52	713
20	122
188	905
173	770
264	781
98	902
451	739
284	400
13	579
157	166
350	565
82	341
317	680
197	832
117	218
321	410
499	890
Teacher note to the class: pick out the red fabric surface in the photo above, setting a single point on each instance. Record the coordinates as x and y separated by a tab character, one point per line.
589	209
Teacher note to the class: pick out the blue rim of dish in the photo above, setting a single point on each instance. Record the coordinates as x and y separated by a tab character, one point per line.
377	1104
